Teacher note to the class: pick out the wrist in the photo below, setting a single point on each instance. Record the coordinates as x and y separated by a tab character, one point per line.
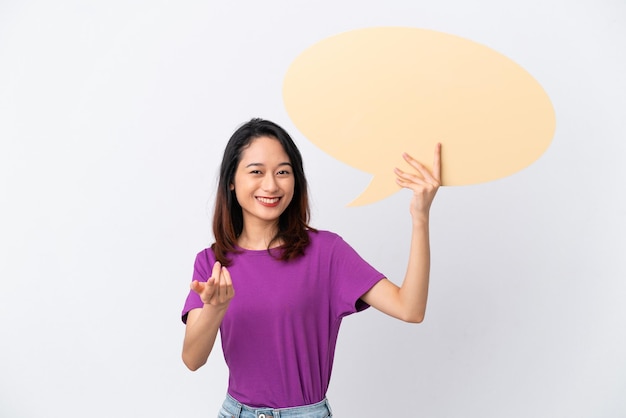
215	309
420	220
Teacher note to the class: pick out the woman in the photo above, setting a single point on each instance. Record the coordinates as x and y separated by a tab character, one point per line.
277	289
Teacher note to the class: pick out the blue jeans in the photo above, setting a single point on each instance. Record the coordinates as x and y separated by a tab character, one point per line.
234	409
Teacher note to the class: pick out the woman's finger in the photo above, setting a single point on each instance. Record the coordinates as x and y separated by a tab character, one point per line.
226	286
217	267
203	289
421	169
210	290
220	289
408	177
197	287
433	176
228	280
437	163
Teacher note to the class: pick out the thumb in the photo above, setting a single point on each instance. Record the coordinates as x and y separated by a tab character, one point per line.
197	287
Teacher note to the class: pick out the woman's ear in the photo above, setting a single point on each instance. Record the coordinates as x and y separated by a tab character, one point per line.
232	187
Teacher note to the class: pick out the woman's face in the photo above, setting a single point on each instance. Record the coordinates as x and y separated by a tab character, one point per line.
264	181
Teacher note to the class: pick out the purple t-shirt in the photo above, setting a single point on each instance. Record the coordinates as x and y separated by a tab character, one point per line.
280	330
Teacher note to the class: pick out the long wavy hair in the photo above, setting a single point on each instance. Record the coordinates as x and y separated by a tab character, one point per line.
228	215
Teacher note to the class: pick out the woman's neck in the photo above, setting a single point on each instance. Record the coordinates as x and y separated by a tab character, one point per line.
258	237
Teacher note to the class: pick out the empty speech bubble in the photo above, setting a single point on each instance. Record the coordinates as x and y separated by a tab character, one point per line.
367	95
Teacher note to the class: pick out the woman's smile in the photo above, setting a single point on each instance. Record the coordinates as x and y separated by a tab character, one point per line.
268	201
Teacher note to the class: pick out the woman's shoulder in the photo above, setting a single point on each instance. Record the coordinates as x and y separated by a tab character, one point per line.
321	235
206	256
207	251
325	239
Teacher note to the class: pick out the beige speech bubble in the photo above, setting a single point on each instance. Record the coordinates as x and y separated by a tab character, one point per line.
367	95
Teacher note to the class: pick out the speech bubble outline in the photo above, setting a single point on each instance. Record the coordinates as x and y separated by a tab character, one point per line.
367	95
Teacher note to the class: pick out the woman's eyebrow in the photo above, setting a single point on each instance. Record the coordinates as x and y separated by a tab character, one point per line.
263	165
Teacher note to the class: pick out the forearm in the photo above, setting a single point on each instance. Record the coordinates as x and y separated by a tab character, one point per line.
413	293
407	302
200	335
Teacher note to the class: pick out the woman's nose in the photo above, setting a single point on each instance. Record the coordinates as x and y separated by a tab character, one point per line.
269	183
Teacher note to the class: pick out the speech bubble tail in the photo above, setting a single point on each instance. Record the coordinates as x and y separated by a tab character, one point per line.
378	189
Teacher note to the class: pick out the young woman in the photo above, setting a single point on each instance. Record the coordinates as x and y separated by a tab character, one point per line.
277	289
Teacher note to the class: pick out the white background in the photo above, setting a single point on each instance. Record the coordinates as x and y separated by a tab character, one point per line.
113	116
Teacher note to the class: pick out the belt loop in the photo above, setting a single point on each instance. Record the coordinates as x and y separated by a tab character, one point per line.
238	409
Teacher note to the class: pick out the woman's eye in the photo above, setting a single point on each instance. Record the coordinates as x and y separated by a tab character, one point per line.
283	172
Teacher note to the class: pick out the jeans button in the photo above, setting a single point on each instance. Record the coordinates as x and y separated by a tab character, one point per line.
261	415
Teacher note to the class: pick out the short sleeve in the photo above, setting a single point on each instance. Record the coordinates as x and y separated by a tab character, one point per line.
352	277
201	272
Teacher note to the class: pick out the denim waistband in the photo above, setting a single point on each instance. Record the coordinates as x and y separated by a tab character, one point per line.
236	409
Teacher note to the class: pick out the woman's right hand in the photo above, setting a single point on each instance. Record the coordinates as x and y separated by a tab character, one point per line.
203	324
218	290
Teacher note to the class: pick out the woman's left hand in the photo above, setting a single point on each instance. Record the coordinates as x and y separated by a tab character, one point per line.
424	183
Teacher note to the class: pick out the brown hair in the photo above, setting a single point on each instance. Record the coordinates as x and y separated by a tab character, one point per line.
228	216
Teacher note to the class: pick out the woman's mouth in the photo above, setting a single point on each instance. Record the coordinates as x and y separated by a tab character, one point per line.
268	201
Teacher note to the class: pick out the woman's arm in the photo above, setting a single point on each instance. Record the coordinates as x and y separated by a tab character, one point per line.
408	302
203	324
